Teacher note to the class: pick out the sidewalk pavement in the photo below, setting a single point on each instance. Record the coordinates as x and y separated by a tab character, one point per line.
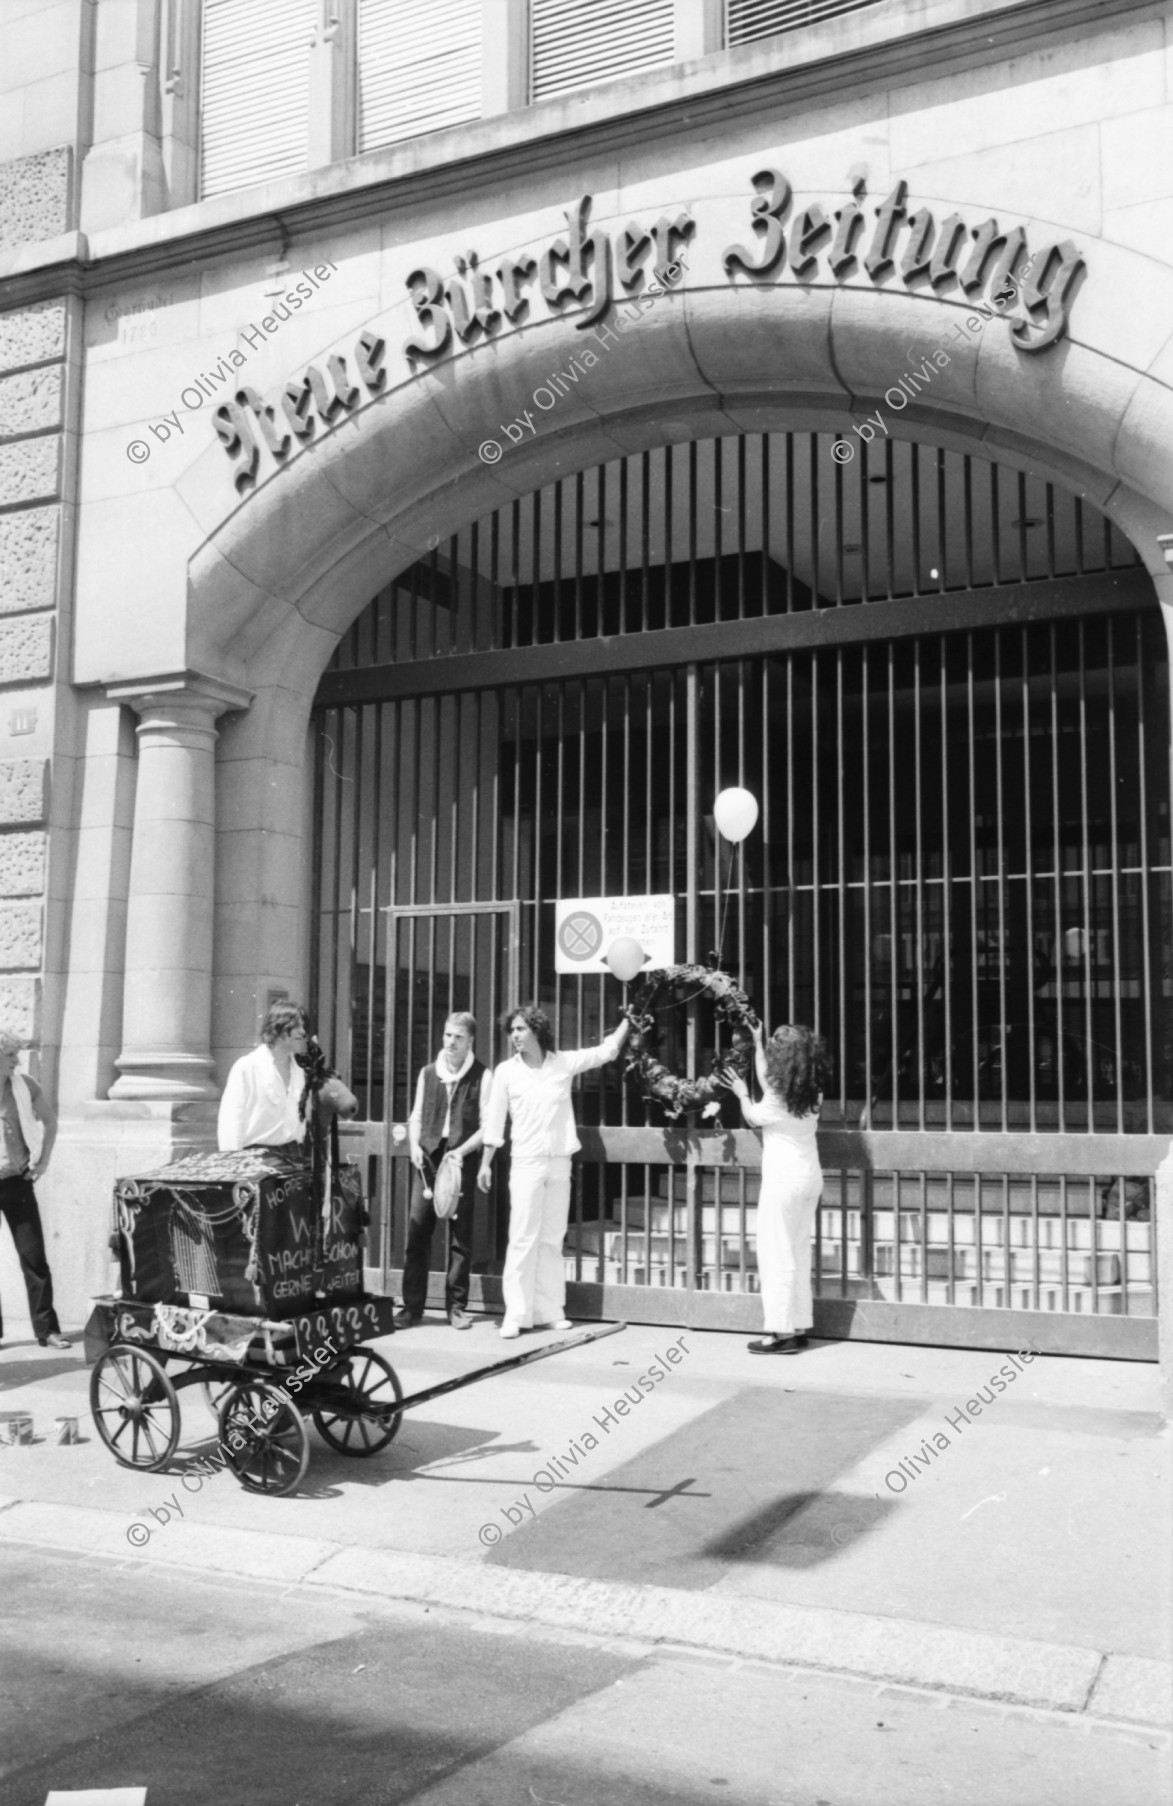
847	1509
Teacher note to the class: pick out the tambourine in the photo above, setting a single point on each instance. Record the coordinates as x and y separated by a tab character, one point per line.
446	1187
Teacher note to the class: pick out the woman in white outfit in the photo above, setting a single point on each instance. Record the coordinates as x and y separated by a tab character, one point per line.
791	1071
533	1091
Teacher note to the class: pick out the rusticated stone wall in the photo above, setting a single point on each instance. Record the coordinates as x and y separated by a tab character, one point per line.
34	197
33	346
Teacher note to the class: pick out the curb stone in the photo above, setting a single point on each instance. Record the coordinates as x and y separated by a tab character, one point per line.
1013	1670
1134	1688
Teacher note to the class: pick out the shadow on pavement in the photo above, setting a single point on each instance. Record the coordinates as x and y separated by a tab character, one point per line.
373	1718
753	1479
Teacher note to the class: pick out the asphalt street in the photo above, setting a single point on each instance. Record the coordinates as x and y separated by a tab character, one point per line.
746	1586
778	1486
217	1692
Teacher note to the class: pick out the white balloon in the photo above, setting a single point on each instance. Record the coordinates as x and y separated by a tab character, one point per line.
735	813
625	957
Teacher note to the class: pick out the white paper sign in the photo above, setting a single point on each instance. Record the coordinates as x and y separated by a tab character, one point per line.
585	927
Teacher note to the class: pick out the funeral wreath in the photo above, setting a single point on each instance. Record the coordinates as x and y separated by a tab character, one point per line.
678	985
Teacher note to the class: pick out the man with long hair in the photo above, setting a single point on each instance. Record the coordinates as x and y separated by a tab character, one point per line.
533	1091
792	1071
265	1102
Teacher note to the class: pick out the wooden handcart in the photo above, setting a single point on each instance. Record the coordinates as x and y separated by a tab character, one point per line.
237	1277
263	1379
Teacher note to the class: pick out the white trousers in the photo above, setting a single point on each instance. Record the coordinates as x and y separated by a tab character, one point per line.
534	1281
786	1220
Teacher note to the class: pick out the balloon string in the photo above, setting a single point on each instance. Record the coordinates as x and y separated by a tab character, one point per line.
728	887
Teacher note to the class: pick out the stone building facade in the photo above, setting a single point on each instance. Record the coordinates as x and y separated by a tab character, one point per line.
230	419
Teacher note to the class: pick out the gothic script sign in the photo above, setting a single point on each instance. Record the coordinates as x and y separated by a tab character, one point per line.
584	272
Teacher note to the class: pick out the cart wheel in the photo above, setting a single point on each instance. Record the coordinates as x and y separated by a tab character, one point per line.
134	1407
263	1438
358	1424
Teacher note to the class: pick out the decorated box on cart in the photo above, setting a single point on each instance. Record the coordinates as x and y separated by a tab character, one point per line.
239	1232
220	1338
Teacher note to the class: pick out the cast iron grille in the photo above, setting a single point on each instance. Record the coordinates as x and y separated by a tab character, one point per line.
735	529
946	683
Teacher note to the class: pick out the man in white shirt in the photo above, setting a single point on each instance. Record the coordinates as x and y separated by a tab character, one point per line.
28	1129
451	1097
533	1091
261	1102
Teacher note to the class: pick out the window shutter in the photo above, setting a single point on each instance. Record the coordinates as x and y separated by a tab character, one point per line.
419	67
746	20
254	91
574	43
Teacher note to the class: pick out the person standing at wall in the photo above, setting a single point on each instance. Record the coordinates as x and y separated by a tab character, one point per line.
451	1100
28	1129
792	1071
532	1090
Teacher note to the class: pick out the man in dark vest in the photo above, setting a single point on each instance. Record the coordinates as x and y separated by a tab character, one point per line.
451	1098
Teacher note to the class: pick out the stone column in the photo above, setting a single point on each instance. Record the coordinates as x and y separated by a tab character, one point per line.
122	176
504	66
330	124
167	995
700	28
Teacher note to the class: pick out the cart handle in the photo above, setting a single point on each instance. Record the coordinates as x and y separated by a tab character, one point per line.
521	1360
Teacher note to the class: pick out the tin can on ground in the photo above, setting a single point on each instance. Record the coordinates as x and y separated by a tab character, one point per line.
66	1429
20	1428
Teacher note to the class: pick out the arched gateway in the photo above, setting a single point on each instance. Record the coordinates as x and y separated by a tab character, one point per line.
575	596
946	681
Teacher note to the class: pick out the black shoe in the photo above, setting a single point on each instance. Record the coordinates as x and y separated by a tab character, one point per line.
406	1319
784	1345
459	1319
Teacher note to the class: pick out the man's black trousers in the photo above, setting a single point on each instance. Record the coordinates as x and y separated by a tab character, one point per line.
421	1227
18	1203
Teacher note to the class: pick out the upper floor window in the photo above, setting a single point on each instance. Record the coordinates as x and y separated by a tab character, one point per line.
746	20
574	43
419	67
254	91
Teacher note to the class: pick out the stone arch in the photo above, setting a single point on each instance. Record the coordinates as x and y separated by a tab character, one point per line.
276	584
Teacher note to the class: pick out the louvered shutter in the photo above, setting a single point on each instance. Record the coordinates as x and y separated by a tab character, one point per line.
254	91
419	67
746	20
574	43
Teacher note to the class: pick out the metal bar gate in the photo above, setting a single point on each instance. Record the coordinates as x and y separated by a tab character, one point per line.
946	682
